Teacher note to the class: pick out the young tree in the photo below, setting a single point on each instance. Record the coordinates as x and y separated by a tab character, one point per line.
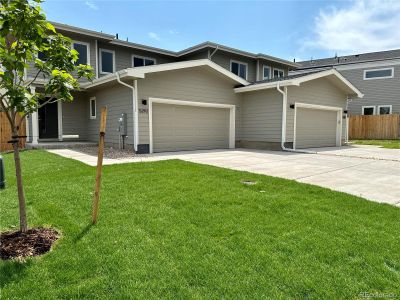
27	39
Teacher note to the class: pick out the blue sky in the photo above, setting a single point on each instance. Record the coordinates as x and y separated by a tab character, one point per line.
286	29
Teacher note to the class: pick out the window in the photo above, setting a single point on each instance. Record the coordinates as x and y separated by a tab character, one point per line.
239	68
378	73
266	72
93	107
278	73
42	56
139	61
83	50
368	110
384	109
107	61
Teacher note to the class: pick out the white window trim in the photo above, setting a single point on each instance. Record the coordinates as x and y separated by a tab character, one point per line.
379	108
339	124
232	110
87	49
270	72
368	106
101	63
277	69
90	108
381	69
242	63
142	57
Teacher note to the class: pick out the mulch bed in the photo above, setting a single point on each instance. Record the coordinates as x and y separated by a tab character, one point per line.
34	242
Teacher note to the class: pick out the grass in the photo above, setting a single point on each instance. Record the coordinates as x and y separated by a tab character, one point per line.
174	229
389	144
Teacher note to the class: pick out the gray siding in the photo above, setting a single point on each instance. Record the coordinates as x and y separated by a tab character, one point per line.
224	60
201	54
261	113
272	65
376	92
123	56
31	72
76	116
118	100
320	92
193	84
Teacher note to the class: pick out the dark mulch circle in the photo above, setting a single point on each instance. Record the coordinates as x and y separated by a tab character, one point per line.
34	242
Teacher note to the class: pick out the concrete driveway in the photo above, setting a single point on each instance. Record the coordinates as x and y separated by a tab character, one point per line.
369	172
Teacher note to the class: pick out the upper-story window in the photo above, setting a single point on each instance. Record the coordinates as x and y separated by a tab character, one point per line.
107	61
278	73
84	52
378	73
239	68
266	72
140	61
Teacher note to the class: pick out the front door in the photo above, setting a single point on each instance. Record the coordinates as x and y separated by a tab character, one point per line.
48	121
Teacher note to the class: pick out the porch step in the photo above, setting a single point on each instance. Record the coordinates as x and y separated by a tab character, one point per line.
60	145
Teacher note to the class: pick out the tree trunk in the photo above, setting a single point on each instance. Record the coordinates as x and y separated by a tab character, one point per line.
21	195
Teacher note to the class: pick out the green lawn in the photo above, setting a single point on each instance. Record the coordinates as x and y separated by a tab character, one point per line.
390	144
178	230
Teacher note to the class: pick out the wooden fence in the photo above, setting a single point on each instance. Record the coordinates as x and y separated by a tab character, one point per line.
5	134
379	127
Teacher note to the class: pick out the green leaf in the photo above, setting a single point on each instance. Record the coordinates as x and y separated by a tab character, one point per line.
50	27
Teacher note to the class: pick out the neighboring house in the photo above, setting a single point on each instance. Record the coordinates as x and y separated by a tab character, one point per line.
376	75
206	97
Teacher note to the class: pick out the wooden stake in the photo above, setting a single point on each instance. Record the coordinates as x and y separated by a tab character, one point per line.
99	164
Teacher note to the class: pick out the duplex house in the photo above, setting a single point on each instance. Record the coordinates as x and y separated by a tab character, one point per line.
376	74
205	97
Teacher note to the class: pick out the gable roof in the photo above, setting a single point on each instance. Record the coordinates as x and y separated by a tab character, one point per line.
113	40
140	72
298	79
350	59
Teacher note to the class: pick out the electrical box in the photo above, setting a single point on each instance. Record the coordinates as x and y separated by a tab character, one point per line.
123	125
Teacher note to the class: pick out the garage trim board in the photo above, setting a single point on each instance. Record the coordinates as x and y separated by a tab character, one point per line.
198	104
339	111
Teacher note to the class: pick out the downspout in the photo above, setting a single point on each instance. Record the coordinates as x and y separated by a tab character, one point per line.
348	100
284	110
211	55
135	111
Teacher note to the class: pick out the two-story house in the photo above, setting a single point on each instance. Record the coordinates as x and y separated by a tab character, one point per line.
376	75
205	97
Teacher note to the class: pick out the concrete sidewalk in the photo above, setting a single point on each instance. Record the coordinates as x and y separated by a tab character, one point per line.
376	179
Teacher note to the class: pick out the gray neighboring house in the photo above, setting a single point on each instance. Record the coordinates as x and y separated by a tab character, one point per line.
376	75
205	97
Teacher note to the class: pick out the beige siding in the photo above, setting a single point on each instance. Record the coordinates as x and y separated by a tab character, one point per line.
261	113
181	127
123	56
320	92
376	92
194	84
315	128
118	100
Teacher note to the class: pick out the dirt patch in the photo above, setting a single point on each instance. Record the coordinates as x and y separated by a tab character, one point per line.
109	152
34	242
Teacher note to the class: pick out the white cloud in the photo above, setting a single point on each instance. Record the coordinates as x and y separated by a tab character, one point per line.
171	31
154	36
91	5
364	26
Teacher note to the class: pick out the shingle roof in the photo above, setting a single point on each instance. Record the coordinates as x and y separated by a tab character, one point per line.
350	59
288	77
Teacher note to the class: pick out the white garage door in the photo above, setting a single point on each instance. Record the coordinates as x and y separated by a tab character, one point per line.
183	127
316	128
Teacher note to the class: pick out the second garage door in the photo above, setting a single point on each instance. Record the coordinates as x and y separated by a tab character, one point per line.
316	128
184	127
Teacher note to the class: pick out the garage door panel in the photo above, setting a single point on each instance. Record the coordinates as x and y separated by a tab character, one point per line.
315	128
181	127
